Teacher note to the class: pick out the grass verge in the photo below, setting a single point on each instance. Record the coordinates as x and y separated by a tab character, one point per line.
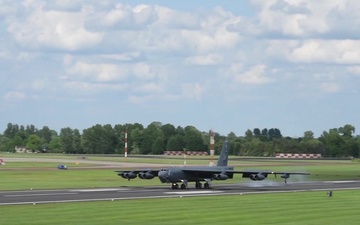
282	208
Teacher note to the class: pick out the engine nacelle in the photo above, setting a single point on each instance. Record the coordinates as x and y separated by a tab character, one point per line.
129	175
146	176
220	176
257	177
285	176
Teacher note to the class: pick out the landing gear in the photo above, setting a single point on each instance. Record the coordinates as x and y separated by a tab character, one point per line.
182	186
206	186
285	181
198	185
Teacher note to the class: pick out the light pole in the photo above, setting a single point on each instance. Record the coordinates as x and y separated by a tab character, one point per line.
184	149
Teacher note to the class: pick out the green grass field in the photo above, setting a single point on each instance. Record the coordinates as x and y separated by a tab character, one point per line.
44	165
44	175
172	160
42	178
282	208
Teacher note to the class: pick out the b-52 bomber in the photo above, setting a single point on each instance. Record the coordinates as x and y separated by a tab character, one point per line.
199	174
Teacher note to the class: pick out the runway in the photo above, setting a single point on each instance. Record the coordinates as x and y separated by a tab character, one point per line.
123	193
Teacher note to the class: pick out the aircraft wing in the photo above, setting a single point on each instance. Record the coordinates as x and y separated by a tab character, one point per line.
219	174
141	173
209	170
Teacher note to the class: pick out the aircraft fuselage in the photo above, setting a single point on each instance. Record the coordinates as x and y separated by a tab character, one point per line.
177	174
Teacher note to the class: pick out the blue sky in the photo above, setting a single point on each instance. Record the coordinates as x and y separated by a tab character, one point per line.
224	65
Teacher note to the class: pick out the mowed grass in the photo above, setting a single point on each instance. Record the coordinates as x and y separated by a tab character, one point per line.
166	160
281	208
55	179
35	165
25	175
158	159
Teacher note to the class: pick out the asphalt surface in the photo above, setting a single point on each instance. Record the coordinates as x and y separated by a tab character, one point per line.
122	193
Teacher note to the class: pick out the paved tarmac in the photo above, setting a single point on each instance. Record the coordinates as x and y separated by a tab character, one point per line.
122	193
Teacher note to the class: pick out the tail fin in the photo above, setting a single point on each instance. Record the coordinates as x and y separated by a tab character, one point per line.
223	158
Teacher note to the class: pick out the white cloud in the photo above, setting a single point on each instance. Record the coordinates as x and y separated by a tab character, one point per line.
150	87
354	70
316	51
205	60
15	96
145	71
139	99
129	56
120	13
87	87
38	84
68	59
149	53
193	91
330	51
55	29
308	18
255	75
330	87
100	72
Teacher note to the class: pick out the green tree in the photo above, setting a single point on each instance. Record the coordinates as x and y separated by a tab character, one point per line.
194	140
99	140
136	139
77	143
67	140
18	140
11	130
168	131
333	142
150	134
347	130
249	135
308	135
30	129
176	143
5	144
158	146
45	133
34	142
256	132
55	145
274	133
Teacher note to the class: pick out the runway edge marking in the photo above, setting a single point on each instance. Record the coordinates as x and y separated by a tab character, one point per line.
170	196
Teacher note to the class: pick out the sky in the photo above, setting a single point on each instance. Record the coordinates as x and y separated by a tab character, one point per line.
224	65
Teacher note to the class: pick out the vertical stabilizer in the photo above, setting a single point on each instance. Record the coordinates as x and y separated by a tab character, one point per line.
223	158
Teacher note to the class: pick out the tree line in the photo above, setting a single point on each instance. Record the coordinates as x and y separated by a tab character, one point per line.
157	138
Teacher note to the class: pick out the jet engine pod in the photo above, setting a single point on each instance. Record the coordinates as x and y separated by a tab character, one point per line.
146	175
257	177
127	175
220	176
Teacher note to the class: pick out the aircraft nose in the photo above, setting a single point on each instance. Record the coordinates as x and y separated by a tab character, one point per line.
162	176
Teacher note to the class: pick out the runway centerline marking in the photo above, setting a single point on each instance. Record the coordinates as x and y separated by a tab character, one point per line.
30	195
100	190
192	192
341	181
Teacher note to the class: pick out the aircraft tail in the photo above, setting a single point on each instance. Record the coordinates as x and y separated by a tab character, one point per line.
223	158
